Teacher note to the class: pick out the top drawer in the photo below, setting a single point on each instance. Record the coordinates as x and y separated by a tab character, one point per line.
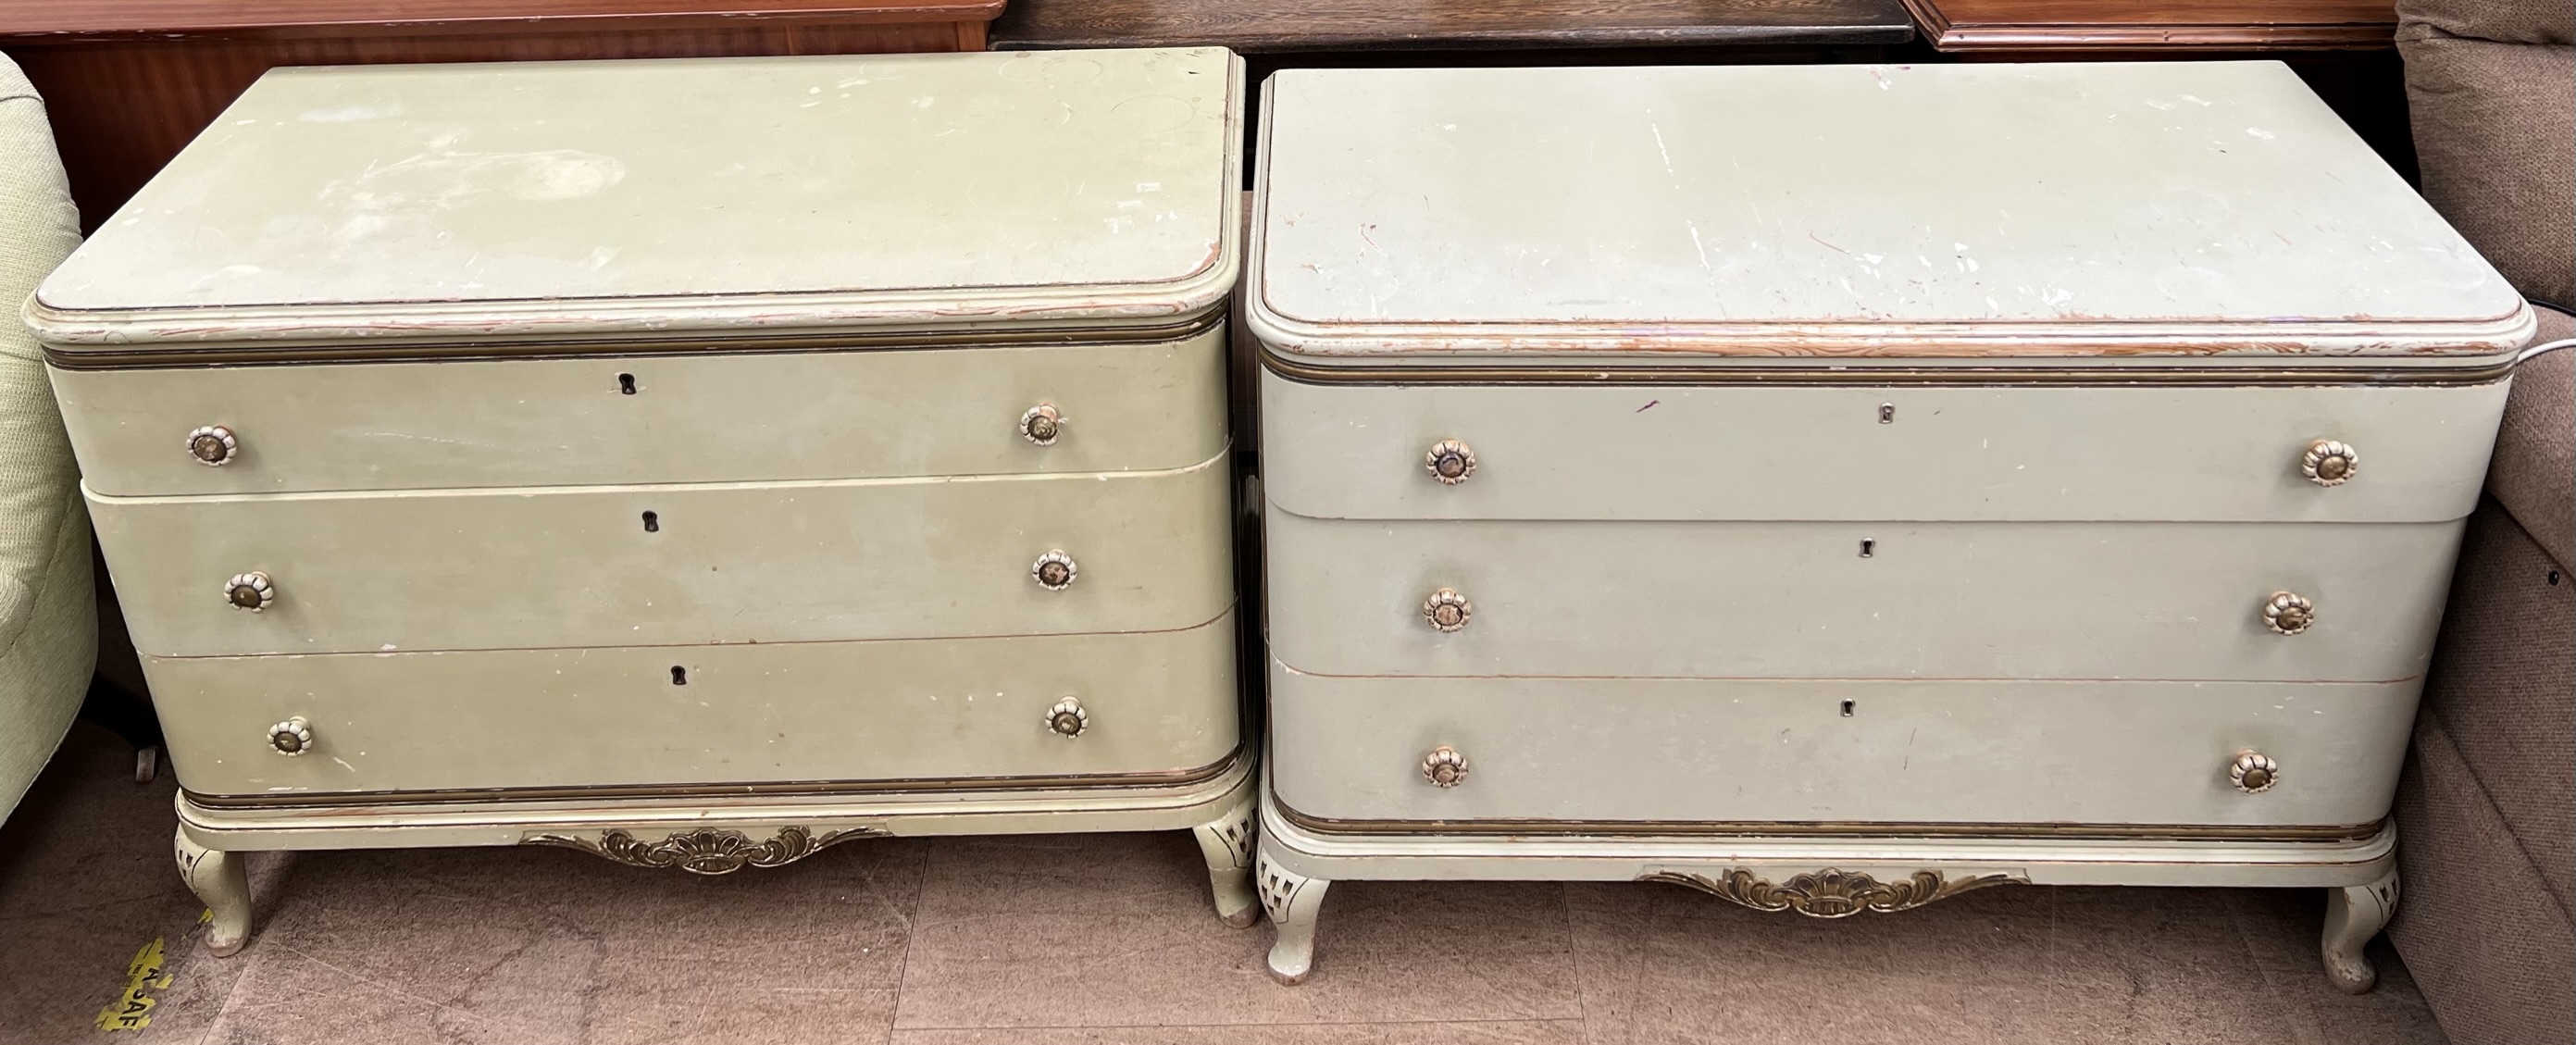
1923	453
649	419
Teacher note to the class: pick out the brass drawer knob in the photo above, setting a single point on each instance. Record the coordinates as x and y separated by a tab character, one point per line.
1450	462
250	591
2288	613
1054	571
292	737
2253	772
213	446
1042	424
1444	767
1446	610
2329	463
1067	719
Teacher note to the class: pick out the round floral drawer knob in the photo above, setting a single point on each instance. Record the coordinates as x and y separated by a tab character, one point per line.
2288	613
1054	571
1067	719
213	446
1042	424
1450	461
2329	463
2253	772
292	737
1446	610
250	591
1444	767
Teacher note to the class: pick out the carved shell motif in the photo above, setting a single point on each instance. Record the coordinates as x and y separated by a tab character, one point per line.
1829	893
708	850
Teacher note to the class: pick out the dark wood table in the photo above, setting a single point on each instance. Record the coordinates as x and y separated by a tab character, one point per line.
2164	27
127	83
1256	27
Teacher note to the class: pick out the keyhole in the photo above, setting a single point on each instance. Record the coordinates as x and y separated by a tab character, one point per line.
679	675
1847	708
652	522
626	383
1887	413
1868	547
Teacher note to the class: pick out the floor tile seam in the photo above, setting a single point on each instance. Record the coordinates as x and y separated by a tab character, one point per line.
172	891
911	936
2306	1028
379	985
1574	957
1234	1026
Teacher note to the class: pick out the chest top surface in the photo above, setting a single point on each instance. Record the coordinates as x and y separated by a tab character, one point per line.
2104	210
758	192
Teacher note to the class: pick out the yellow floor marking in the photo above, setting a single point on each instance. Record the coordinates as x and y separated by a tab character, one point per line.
132	1010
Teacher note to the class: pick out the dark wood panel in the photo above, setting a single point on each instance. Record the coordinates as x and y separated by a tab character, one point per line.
1280	26
2026	26
97	18
123	104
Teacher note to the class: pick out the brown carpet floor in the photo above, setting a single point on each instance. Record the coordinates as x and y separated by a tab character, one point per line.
1096	938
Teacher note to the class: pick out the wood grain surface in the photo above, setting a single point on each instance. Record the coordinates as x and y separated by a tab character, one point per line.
2131	26
127	83
1275	26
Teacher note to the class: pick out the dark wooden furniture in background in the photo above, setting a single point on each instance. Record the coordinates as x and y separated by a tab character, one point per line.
129	82
2160	26
1283	26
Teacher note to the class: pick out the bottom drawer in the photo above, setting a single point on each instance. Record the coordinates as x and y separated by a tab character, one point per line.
1156	706
1833	754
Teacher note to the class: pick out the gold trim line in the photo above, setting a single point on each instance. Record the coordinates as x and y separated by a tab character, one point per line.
166	356
459	796
1964	373
1827	829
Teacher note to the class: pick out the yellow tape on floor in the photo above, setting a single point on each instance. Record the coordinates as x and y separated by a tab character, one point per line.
132	1010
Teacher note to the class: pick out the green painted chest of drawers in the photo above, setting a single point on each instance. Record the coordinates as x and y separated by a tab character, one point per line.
693	462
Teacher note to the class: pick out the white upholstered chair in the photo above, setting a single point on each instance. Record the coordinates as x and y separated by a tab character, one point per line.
48	617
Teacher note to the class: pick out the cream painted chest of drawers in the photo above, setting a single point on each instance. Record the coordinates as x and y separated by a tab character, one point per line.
1836	488
697	463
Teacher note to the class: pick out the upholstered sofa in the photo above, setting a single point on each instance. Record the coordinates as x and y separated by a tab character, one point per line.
48	624
2486	813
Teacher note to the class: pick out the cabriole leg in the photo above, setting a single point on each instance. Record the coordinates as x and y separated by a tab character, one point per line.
1227	844
2354	914
1293	901
216	876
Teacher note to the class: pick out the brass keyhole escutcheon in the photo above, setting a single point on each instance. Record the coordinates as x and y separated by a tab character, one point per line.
1447	610
1450	461
1054	571
213	445
1042	424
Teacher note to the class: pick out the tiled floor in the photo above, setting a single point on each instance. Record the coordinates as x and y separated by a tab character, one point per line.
1097	938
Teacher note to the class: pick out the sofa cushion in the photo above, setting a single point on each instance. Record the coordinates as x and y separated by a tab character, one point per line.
2484	938
2534	469
2503	690
2511	21
2496	137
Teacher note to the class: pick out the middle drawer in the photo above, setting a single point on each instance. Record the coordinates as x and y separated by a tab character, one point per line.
1856	600
672	565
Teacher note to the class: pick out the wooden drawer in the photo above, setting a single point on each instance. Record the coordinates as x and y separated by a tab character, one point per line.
1947	453
973	710
672	565
1785	753
1801	600
708	417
